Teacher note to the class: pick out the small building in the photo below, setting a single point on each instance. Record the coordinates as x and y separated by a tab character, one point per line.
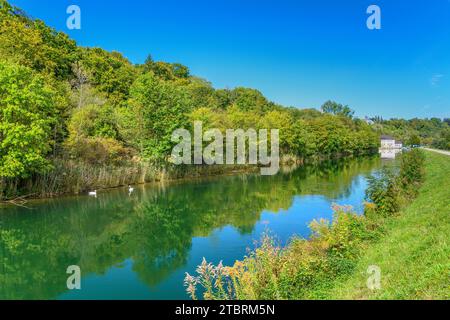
388	142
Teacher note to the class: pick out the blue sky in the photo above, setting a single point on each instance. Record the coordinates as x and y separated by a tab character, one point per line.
297	53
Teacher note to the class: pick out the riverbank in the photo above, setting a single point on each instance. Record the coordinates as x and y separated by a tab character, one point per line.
403	232
413	256
74	178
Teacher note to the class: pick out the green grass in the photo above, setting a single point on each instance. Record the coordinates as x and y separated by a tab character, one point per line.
414	254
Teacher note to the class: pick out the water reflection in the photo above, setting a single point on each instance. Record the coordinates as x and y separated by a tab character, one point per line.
389	153
139	246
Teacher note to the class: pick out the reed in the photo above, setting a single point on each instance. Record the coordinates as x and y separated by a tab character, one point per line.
72	177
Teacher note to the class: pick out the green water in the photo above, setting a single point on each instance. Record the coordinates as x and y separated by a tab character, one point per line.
139	246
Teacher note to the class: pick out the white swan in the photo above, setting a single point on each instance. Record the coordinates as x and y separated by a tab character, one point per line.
93	193
130	189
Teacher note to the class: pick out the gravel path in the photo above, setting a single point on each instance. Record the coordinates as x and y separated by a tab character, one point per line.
447	153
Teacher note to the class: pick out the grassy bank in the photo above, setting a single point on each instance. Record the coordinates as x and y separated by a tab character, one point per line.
404	231
414	254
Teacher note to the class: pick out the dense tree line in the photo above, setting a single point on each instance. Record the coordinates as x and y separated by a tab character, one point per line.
62	101
431	132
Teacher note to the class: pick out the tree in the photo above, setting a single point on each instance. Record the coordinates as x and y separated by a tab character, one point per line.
27	114
282	121
180	71
93	136
223	97
247	99
156	109
331	135
202	93
110	73
337	109
162	70
31	43
93	121
414	140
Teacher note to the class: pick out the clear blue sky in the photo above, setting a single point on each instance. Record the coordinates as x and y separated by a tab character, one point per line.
298	53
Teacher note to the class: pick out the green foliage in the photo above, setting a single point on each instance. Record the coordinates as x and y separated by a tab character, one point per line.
223	97
31	43
202	94
432	132
180	71
300	135
414	140
93	121
247	99
166	71
110	73
283	121
27	115
331	135
386	188
412	173
383	191
337	109
443	140
100	100
99	151
158	108
93	134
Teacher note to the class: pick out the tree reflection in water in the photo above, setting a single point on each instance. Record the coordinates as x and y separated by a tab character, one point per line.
154	227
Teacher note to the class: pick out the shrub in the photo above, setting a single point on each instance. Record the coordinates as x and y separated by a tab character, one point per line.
304	266
383	191
387	189
411	171
98	150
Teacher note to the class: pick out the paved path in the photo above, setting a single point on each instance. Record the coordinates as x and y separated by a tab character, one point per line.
438	151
